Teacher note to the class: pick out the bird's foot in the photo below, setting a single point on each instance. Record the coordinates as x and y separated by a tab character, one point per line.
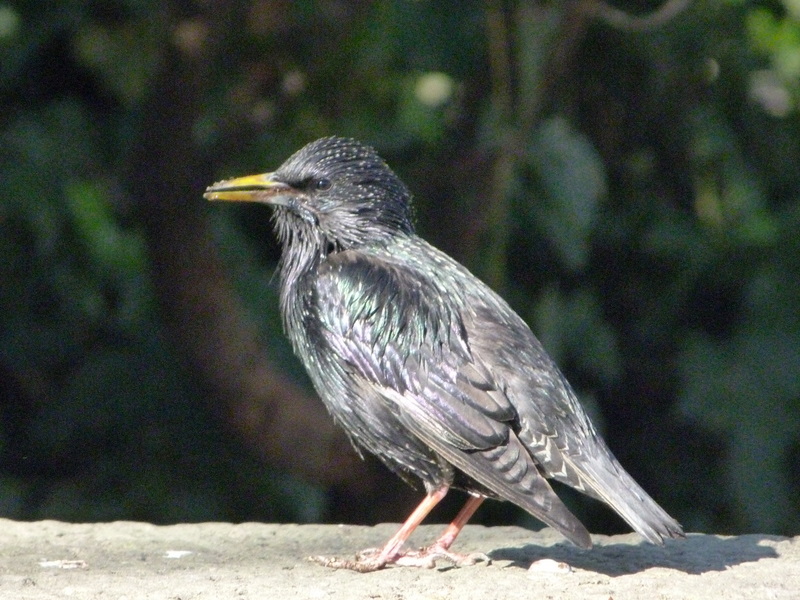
371	559
365	561
427	557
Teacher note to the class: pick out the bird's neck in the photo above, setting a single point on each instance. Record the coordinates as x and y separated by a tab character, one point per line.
303	250
300	256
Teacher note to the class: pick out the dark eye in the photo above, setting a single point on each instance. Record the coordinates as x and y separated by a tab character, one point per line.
322	184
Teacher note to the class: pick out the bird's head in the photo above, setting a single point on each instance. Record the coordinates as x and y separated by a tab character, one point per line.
334	190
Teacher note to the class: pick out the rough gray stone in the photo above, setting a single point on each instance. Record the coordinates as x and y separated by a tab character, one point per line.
128	561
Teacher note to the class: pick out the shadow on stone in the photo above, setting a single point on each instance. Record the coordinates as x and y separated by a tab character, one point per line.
695	555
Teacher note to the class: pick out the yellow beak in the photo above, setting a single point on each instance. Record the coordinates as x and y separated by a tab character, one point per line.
252	188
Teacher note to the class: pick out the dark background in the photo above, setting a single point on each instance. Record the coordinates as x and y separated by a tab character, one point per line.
626	175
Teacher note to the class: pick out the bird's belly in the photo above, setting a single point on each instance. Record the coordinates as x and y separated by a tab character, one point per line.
370	421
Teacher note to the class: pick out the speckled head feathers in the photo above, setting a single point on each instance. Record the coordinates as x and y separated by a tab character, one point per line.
350	190
332	156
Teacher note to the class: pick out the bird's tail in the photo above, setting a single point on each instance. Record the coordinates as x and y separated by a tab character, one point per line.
602	477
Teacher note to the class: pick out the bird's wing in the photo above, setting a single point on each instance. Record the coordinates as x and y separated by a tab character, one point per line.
552	425
402	335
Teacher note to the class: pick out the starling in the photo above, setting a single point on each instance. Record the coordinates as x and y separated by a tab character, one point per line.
421	363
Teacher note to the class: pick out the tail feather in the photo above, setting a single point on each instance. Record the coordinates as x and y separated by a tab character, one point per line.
531	491
510	472
604	478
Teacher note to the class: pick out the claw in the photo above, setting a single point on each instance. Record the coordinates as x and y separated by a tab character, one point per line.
427	557
474	558
360	564
368	561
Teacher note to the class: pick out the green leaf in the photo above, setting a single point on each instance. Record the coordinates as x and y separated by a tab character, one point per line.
572	326
111	247
573	176
748	390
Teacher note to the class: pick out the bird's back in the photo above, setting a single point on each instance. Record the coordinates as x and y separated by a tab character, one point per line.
481	335
419	361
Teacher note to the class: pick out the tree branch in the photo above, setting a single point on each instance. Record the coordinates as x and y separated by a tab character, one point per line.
280	420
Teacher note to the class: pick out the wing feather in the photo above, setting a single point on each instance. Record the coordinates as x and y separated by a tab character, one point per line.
399	334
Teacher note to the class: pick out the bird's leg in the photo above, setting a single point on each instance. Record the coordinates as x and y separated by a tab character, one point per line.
441	547
374	559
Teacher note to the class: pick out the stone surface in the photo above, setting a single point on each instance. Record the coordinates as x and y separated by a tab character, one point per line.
129	561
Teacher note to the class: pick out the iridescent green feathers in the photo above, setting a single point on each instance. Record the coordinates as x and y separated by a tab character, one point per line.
423	364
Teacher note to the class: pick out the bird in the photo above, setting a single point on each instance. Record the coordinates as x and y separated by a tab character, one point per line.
421	363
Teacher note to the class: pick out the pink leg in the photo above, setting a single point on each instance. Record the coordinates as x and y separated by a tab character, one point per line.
372	560
450	534
391	550
426	557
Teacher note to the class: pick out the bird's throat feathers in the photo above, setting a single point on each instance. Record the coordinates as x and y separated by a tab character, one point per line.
306	242
303	245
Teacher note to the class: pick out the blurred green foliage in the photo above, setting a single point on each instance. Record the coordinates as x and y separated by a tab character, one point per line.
637	199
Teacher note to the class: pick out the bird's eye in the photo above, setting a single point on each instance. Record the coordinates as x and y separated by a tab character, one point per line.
322	184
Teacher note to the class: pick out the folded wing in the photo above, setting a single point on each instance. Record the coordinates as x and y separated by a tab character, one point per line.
407	343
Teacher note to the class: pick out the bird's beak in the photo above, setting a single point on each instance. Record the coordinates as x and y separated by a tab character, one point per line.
252	188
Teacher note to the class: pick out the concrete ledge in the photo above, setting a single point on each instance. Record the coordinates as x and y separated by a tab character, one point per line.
129	561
